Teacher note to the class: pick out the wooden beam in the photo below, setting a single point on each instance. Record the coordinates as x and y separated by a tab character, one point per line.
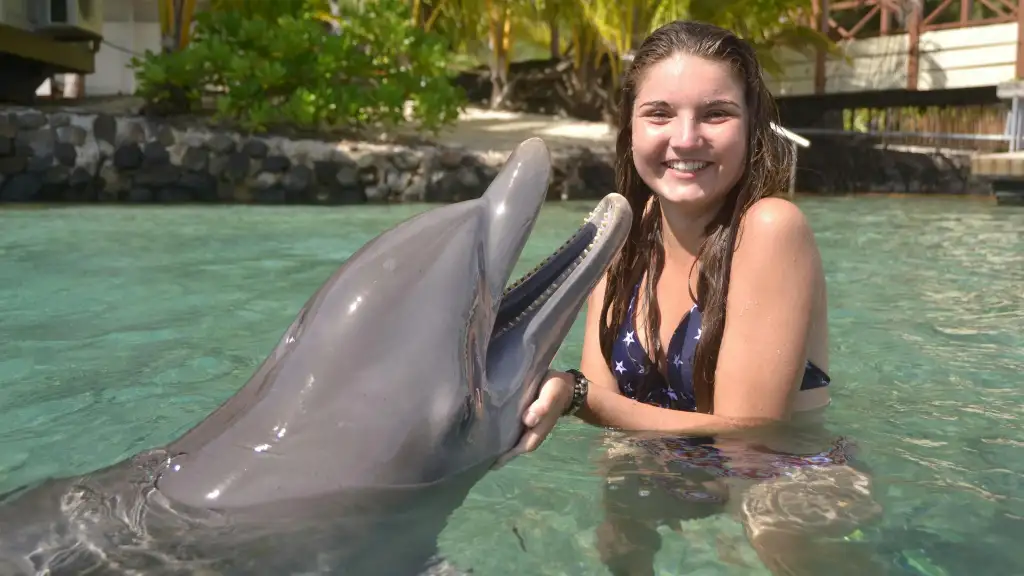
1020	41
819	12
913	45
68	57
965	10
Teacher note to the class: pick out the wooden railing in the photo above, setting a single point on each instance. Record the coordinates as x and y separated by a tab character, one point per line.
860	19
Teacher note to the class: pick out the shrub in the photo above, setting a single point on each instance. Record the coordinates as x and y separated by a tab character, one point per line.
265	69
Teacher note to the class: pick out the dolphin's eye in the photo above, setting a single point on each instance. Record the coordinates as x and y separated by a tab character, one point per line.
467	413
461	422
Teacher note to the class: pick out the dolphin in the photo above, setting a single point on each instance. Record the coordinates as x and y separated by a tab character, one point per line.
398	386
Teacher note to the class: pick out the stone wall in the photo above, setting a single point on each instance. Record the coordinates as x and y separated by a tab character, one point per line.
849	165
71	157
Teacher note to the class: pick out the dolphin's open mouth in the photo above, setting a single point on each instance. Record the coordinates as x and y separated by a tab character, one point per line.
528	293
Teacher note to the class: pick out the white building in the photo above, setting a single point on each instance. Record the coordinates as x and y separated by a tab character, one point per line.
130	28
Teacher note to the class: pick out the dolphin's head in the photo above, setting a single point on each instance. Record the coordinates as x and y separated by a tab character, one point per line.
415	360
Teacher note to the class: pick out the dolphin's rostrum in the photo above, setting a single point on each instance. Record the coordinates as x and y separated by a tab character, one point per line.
398	385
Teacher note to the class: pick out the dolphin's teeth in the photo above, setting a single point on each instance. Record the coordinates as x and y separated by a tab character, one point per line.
602	226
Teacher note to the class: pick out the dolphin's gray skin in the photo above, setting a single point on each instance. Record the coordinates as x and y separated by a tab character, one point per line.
399	384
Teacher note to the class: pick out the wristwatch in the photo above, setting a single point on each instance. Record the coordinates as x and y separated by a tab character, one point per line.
579	391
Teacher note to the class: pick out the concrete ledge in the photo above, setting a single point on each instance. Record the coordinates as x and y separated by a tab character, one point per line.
1003	164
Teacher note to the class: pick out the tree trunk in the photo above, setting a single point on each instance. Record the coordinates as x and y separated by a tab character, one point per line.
500	18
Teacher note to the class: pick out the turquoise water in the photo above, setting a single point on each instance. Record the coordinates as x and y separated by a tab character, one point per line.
121	327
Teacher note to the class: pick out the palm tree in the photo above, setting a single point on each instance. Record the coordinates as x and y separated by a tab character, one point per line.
600	34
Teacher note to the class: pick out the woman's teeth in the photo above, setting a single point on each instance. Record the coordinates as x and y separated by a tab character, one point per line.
687	165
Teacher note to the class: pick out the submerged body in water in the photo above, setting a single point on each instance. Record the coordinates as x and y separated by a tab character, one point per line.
334	452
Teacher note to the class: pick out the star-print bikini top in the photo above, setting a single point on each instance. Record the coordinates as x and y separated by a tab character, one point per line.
631	365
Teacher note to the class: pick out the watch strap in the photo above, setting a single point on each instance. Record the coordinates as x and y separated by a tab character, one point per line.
579	391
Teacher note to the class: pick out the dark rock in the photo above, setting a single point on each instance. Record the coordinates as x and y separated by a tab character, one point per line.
486	173
369	175
351	195
21	188
455	186
65	153
104	129
165	136
275	164
225	191
56	175
326	171
140	195
256	149
174	195
134	132
60	120
21	148
40	141
367	160
6	146
157	176
237	167
74	135
450	158
416	190
266	180
598	175
39	163
396	181
837	165
30	120
195	159
347	177
221	144
468	178
203	187
298	179
405	161
106	149
272	195
378	193
7	129
111	185
128	157
155	154
80	177
13	165
82	187
217	165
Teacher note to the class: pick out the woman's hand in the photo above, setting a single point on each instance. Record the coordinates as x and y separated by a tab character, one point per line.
540	418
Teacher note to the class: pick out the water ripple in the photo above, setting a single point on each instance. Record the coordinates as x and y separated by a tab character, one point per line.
122	327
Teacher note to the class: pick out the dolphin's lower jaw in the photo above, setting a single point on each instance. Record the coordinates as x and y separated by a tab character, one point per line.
531	291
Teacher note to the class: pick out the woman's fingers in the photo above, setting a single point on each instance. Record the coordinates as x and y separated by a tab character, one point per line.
540	418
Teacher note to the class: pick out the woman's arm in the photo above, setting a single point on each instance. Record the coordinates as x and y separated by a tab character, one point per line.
777	277
776	274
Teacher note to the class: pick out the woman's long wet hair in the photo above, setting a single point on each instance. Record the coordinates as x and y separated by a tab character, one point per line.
766	172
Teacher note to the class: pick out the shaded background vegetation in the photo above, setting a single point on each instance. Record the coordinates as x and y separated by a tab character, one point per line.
353	64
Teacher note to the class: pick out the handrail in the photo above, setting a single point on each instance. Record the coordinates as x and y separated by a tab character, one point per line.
791	136
940	135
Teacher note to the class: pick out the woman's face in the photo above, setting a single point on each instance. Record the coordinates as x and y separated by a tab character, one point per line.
690	130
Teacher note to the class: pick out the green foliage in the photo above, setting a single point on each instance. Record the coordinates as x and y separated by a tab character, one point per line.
286	65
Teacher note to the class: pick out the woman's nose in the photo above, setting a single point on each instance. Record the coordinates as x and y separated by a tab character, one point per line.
685	132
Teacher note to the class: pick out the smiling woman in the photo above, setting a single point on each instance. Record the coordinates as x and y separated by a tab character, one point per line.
712	322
